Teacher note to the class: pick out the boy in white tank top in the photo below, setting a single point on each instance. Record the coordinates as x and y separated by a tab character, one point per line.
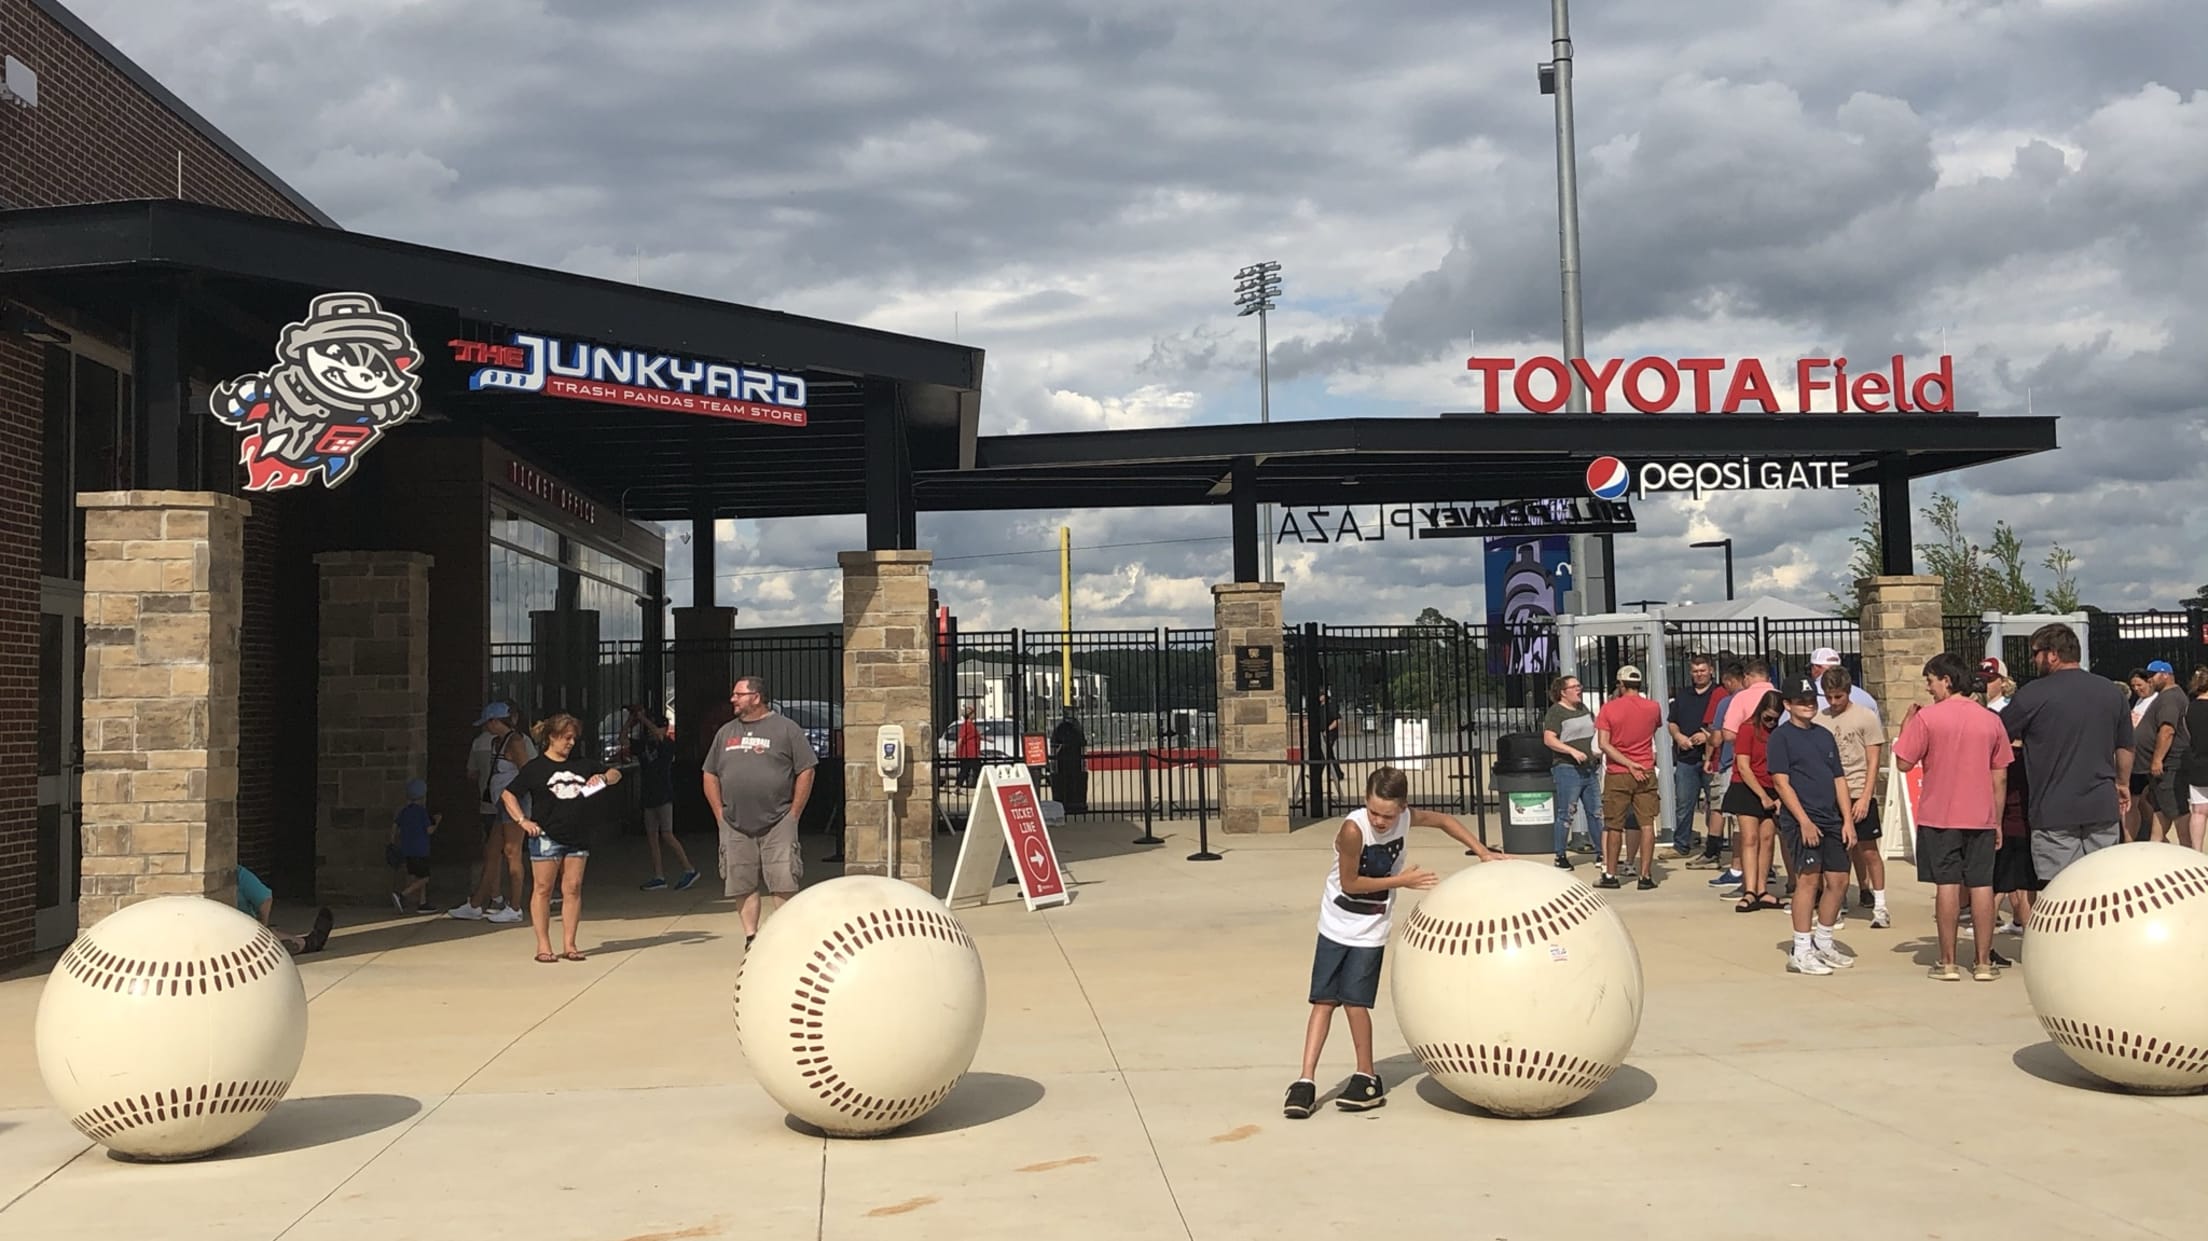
1355	912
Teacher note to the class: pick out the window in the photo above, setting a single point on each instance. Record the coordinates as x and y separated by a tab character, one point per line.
87	448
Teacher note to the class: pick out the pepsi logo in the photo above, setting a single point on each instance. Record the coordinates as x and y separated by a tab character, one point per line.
1608	479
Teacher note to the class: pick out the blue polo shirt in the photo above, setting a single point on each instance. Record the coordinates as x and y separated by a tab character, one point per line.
252	893
1809	758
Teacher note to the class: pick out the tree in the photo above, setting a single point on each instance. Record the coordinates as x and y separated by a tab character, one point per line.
2199	599
2062	597
1974	579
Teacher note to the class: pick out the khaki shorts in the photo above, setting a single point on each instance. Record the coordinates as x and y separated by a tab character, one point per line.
1622	793
772	861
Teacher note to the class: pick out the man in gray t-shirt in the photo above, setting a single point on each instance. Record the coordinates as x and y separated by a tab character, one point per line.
758	773
2076	730
2162	744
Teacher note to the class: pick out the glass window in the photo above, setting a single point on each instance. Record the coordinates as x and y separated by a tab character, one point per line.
57	510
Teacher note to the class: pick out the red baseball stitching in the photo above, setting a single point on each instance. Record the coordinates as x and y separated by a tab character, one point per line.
122	1115
2124	1044
808	1033
1481	1060
105	970
2107	908
1520	930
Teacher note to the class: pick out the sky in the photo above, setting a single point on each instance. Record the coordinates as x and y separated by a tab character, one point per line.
1071	187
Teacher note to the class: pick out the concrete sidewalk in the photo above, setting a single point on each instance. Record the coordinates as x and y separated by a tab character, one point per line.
1129	1085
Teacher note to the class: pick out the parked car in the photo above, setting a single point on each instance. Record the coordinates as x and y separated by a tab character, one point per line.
822	722
1000	742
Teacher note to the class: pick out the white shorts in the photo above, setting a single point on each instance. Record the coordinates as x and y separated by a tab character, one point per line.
1719	782
2198	796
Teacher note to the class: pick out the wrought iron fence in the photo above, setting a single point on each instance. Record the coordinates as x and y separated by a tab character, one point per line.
593	683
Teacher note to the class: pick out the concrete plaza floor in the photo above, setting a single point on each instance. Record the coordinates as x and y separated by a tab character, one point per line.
1128	1085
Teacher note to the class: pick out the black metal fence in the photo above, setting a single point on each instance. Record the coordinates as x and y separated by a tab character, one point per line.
592	684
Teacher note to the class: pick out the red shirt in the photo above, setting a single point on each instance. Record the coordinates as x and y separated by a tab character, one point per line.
1961	745
1755	744
1632	721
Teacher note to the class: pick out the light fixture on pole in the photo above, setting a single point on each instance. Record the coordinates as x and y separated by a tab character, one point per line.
1727	544
1255	287
1589	551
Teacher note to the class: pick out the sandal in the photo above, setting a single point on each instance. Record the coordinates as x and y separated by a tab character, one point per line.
572	956
1764	900
1747	904
546	958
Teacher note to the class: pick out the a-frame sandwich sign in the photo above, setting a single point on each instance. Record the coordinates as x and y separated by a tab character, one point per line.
1008	815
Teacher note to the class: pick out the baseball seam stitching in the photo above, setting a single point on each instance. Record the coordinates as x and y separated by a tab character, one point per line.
2125	1044
808	1035
106	970
122	1115
1520	930
1480	1059
2107	908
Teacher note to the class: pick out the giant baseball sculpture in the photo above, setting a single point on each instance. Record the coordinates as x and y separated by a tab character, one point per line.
860	1005
171	1028
2116	962
1518	989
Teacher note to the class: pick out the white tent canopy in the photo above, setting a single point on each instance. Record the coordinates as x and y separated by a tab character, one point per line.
1761	607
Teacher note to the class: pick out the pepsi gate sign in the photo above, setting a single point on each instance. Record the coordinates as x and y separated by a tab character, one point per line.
1611	479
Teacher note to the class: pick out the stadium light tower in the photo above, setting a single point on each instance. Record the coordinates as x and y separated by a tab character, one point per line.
1255	287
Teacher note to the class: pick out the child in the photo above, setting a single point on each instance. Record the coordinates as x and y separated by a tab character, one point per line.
409	850
1353	930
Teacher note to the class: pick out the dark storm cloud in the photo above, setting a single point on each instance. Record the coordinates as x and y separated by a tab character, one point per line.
1071	185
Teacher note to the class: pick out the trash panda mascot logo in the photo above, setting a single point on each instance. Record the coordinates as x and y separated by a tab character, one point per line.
344	375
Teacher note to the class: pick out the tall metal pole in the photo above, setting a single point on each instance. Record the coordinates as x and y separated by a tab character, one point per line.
1265	417
1065	616
1567	195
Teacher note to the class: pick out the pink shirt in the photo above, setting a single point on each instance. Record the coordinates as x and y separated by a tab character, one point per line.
1960	744
1632	721
1742	707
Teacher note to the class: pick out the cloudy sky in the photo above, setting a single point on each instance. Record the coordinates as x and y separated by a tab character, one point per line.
1071	186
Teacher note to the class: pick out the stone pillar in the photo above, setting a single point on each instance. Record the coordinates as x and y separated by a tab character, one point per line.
372	714
703	677
1901	630
1252	723
888	646
164	586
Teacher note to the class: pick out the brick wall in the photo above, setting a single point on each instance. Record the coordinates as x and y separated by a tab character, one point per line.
21	432
96	136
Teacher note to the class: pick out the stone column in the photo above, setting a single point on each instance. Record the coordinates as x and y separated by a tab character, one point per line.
164	583
1252	723
887	646
1901	630
372	714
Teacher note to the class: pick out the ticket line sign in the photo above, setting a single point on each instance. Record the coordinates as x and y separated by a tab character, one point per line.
1008	815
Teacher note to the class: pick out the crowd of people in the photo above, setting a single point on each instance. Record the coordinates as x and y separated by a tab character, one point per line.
2013	783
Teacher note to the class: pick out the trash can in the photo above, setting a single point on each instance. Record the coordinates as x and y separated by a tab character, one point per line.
1526	793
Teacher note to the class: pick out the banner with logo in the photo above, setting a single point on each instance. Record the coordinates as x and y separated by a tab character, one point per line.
1526	581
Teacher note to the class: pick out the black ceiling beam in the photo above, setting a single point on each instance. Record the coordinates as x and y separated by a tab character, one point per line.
220	242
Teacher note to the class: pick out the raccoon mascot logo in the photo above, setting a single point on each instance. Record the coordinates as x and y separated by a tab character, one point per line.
344	375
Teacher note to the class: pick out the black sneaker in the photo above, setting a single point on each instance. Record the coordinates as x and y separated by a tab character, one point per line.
320	935
1563	863
1363	1094
1607	881
1302	1097
1647	884
1998	960
1864	899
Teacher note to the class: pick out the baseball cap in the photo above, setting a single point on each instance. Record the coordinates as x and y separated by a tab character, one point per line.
1629	675
2161	665
1991	666
1800	689
416	790
494	711
1824	657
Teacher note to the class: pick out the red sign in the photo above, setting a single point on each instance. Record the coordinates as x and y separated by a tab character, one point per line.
1029	839
1036	753
1654	385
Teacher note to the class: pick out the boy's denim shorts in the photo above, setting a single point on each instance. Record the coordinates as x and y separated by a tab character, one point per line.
1344	975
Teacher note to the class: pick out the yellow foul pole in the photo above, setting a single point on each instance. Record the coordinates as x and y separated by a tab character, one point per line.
1065	614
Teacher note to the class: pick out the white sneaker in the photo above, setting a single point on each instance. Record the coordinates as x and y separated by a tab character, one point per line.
398	902
468	912
1834	957
504	917
1811	964
1840	923
1880	919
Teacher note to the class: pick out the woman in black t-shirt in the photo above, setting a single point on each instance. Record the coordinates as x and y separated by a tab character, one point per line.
559	787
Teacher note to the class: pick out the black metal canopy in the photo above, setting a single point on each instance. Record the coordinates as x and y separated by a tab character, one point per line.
1453	457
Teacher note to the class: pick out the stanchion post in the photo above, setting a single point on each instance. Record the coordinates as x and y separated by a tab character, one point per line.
1148	836
1203	818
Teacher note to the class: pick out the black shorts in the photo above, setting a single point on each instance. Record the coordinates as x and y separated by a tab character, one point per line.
1741	800
417	867
1344	975
1829	854
1868	828
1956	855
2138	778
2012	867
2165	796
